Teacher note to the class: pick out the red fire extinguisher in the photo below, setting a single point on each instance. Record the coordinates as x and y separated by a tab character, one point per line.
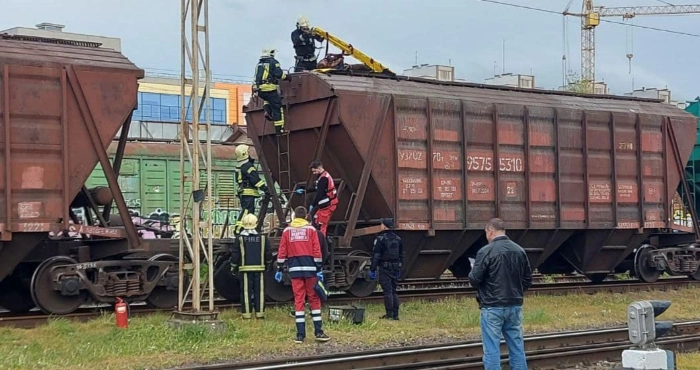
121	313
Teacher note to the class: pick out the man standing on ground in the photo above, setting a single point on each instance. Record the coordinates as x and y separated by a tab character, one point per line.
388	255
300	249
501	273
250	254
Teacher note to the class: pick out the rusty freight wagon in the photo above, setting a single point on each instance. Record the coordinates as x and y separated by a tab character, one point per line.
61	104
581	181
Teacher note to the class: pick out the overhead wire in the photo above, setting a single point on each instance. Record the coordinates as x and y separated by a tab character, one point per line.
602	20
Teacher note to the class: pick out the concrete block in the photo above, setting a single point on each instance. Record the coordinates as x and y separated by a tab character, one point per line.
654	359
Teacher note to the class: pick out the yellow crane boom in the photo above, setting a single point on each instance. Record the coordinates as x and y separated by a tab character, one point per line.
350	50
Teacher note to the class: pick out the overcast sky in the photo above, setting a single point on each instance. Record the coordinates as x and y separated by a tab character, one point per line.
468	34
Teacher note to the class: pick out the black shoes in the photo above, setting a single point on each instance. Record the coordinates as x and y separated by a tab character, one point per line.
386	317
322	338
300	339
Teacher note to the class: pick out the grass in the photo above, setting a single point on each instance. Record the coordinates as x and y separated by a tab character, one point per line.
688	361
149	344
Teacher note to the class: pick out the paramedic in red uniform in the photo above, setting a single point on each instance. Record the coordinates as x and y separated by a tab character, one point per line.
326	199
301	250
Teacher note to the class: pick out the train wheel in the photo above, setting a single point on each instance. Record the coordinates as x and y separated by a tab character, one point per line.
46	298
278	292
361	288
226	284
161	296
642	269
15	296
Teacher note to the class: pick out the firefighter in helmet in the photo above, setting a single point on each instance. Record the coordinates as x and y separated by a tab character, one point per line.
268	74
304	41
250	255
249	184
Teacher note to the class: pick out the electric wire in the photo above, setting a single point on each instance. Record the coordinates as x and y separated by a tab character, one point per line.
602	20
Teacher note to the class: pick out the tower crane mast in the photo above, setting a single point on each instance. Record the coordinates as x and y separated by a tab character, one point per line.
590	19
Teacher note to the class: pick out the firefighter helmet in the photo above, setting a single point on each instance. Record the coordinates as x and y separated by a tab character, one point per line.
242	152
249	221
268	52
303	22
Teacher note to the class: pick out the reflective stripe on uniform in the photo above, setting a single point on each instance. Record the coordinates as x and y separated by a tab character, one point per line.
302	268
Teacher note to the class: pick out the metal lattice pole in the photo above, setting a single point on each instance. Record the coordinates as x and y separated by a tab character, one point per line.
194	253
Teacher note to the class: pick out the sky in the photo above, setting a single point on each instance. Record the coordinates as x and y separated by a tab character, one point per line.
467	34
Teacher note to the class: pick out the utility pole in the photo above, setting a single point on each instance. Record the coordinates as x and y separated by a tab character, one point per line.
590	19
194	19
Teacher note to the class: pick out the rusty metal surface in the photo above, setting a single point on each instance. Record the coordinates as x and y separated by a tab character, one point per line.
448	157
53	100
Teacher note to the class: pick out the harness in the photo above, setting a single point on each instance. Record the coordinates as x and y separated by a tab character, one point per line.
331	193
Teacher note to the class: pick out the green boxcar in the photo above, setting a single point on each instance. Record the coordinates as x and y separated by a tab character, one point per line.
692	169
150	181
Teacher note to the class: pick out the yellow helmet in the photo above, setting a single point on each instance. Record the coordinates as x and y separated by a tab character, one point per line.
303	22
268	52
242	152
249	221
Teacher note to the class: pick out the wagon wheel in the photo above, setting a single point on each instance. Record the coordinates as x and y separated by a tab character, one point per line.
15	296
226	283
161	296
278	292
360	287
696	274
642	269
50	300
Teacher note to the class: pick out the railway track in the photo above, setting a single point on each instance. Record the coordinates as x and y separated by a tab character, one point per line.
410	291
543	351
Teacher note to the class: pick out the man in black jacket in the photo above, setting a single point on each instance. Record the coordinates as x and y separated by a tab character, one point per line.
501	272
250	255
268	74
249	184
304	46
388	256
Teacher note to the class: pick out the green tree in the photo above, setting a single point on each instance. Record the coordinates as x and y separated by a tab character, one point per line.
575	84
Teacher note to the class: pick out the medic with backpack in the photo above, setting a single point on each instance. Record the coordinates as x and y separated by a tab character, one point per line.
388	256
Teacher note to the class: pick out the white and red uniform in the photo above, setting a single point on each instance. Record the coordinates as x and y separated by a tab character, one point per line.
301	250
325	201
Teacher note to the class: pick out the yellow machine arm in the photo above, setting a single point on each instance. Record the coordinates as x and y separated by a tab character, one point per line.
348	49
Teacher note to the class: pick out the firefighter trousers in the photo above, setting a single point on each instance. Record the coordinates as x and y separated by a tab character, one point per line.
305	65
252	294
247	206
323	216
303	289
273	107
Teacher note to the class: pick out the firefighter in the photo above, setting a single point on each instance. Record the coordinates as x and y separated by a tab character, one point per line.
326	199
250	255
249	184
304	46
388	256
301	251
267	76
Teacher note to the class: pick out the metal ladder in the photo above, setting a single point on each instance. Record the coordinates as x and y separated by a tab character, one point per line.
284	166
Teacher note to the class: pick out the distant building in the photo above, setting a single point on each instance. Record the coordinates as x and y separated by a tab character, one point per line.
653	93
433	72
600	88
512	80
55	31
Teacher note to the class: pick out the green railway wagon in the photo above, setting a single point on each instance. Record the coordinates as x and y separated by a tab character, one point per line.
150	181
692	170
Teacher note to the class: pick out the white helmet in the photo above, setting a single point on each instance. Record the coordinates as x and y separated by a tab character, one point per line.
268	52
303	22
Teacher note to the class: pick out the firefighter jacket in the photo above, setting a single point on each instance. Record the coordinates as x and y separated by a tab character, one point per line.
248	180
387	248
326	194
268	73
304	46
300	249
251	252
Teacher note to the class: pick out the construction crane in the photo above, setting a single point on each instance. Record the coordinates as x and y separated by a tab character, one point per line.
590	19
349	50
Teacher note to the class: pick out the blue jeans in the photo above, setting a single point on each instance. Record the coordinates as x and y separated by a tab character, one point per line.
507	321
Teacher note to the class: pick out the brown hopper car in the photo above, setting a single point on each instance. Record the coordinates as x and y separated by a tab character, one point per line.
582	181
61	104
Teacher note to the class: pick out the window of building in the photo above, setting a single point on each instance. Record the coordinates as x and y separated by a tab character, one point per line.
166	108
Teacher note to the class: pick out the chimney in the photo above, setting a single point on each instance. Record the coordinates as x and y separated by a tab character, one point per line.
50	27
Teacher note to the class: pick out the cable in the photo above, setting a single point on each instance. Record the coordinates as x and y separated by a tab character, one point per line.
602	20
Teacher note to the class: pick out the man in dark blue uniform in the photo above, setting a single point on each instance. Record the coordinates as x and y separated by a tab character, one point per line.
250	254
388	256
304	46
268	73
249	184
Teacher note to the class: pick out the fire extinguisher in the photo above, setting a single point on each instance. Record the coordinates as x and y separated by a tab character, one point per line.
121	313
